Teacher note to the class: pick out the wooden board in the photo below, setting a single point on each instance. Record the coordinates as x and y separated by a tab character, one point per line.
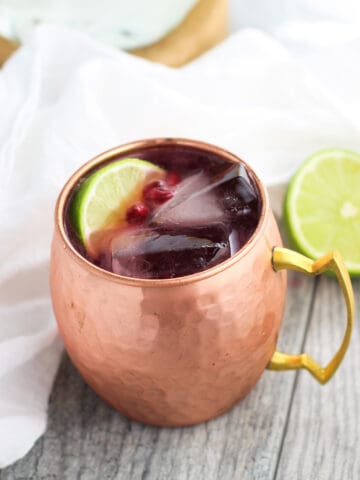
7	47
205	26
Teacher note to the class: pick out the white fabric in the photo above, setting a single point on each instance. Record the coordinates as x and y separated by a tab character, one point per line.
65	98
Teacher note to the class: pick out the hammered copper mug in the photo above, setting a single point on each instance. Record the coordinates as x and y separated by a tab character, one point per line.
180	351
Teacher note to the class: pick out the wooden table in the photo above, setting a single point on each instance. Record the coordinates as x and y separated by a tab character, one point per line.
289	427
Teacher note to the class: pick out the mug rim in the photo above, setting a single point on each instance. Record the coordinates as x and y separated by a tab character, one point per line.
128	148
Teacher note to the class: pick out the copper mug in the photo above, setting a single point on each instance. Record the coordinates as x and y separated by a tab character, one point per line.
180	351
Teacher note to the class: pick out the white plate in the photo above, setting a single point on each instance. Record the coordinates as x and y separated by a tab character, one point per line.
122	23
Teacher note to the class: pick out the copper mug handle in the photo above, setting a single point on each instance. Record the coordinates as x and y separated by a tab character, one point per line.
288	259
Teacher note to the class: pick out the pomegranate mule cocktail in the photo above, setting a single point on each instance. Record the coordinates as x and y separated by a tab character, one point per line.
167	216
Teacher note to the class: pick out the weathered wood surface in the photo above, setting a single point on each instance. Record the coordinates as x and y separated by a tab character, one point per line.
322	439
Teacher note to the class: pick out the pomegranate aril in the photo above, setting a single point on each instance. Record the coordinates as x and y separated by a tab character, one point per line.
172	179
151	185
156	193
137	213
159	195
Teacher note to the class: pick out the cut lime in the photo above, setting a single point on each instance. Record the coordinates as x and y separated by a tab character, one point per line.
103	198
322	206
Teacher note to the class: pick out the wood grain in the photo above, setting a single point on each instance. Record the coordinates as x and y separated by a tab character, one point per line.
87	440
322	440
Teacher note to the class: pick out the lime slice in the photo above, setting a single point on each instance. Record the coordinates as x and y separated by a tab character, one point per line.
322	206
104	197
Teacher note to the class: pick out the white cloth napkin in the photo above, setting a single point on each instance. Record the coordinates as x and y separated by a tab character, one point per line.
65	98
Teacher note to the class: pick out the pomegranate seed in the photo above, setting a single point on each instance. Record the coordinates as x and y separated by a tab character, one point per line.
137	213
172	179
156	193
151	185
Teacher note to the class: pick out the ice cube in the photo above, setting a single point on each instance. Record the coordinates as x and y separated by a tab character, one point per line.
240	201
151	253
195	204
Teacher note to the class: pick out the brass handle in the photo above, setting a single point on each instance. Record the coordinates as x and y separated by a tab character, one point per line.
288	259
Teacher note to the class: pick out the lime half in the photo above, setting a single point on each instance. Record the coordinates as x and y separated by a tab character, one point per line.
322	206
103	198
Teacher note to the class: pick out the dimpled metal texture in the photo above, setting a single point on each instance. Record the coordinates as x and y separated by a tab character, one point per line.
170	352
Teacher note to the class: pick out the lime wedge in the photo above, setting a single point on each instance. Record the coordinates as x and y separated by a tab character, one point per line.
322	206
103	198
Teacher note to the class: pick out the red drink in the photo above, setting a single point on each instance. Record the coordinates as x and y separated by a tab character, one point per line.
202	212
